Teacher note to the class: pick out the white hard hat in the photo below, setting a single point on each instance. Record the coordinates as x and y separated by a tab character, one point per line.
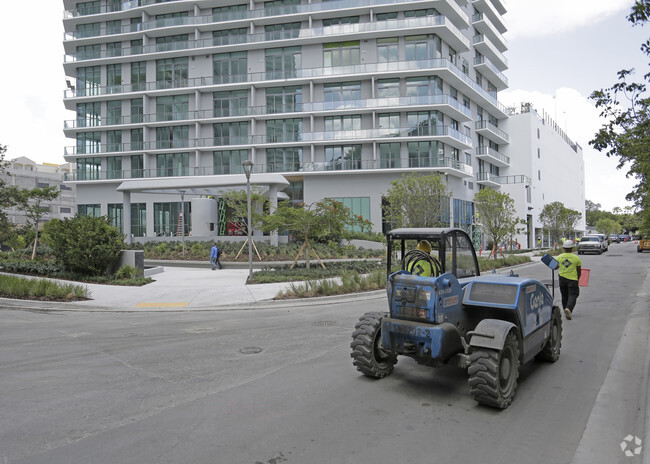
568	244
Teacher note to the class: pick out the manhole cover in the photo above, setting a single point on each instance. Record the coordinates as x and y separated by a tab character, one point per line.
250	350
324	323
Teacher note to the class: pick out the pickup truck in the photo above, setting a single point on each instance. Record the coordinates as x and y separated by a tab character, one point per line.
590	244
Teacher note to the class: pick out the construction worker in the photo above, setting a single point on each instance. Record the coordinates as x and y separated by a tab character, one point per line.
570	271
422	267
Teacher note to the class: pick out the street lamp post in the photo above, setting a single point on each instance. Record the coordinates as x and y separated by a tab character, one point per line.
248	166
183	219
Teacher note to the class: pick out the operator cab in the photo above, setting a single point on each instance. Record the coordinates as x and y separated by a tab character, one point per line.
451	250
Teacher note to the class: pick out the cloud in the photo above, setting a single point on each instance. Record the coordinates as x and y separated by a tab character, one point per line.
543	18
579	118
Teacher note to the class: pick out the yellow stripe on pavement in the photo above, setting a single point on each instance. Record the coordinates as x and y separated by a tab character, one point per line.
161	305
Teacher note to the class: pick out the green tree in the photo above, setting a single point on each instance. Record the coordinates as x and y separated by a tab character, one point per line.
559	221
9	195
326	219
417	201
496	214
85	245
30	202
626	133
236	201
608	226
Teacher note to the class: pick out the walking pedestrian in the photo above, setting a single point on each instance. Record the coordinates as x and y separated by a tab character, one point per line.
215	254
570	271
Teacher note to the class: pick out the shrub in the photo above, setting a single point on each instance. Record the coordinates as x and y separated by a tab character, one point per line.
126	272
85	245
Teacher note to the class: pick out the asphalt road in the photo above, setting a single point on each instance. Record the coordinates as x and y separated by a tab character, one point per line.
277	385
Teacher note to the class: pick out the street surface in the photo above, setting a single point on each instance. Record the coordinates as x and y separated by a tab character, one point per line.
276	385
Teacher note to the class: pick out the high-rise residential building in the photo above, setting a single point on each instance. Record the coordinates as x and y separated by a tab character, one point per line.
328	99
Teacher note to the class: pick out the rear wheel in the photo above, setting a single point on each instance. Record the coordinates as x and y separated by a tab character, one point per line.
368	354
493	374
551	351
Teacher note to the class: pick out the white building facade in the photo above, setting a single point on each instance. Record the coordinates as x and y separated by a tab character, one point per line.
339	98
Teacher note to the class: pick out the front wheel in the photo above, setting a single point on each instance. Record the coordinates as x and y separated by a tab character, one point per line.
368	354
493	374
551	351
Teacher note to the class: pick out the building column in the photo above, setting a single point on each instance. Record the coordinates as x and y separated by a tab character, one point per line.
126	216
273	205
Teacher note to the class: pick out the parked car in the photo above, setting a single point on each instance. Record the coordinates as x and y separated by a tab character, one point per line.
605	241
613	238
623	237
590	244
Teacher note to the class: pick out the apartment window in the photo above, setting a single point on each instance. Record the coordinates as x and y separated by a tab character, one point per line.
421	13
88	81
386	16
282	31
136	47
172	108
137	166
425	154
423	47
137	110
338	21
138	219
343	157
341	54
539	153
89	168
173	164
230	67
114	167
466	102
284	159
224	13
283	99
295	190
228	161
113	5
89	142
424	122
88	114
359	206
172	137
230	36
114	78
113	27
114	140
282	63
387	88
114	49
114	112
281	7
283	130
88	52
347	92
234	133
88	8
171	72
93	210
538	133
115	215
388	50
389	155
479	79
343	123
171	19
167	218
389	121
135	25
465	67
453	93
138	76
423	86
172	42
64	210
539	175
88	30
233	103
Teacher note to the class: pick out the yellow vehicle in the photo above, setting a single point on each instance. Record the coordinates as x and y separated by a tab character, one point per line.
644	245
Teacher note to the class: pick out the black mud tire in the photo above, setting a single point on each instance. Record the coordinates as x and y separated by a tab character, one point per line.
493	374
551	351
367	354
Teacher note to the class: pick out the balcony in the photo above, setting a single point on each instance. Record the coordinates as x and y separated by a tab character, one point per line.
484	26
484	45
491	131
487	179
492	156
488	8
491	73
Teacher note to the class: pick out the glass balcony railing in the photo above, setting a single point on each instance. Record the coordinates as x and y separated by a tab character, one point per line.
487	152
485	62
488	126
447	165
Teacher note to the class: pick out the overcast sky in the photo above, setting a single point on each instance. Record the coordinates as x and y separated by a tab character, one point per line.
559	52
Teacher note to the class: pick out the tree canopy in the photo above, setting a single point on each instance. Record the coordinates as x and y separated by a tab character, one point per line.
417	200
559	220
626	133
496	214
